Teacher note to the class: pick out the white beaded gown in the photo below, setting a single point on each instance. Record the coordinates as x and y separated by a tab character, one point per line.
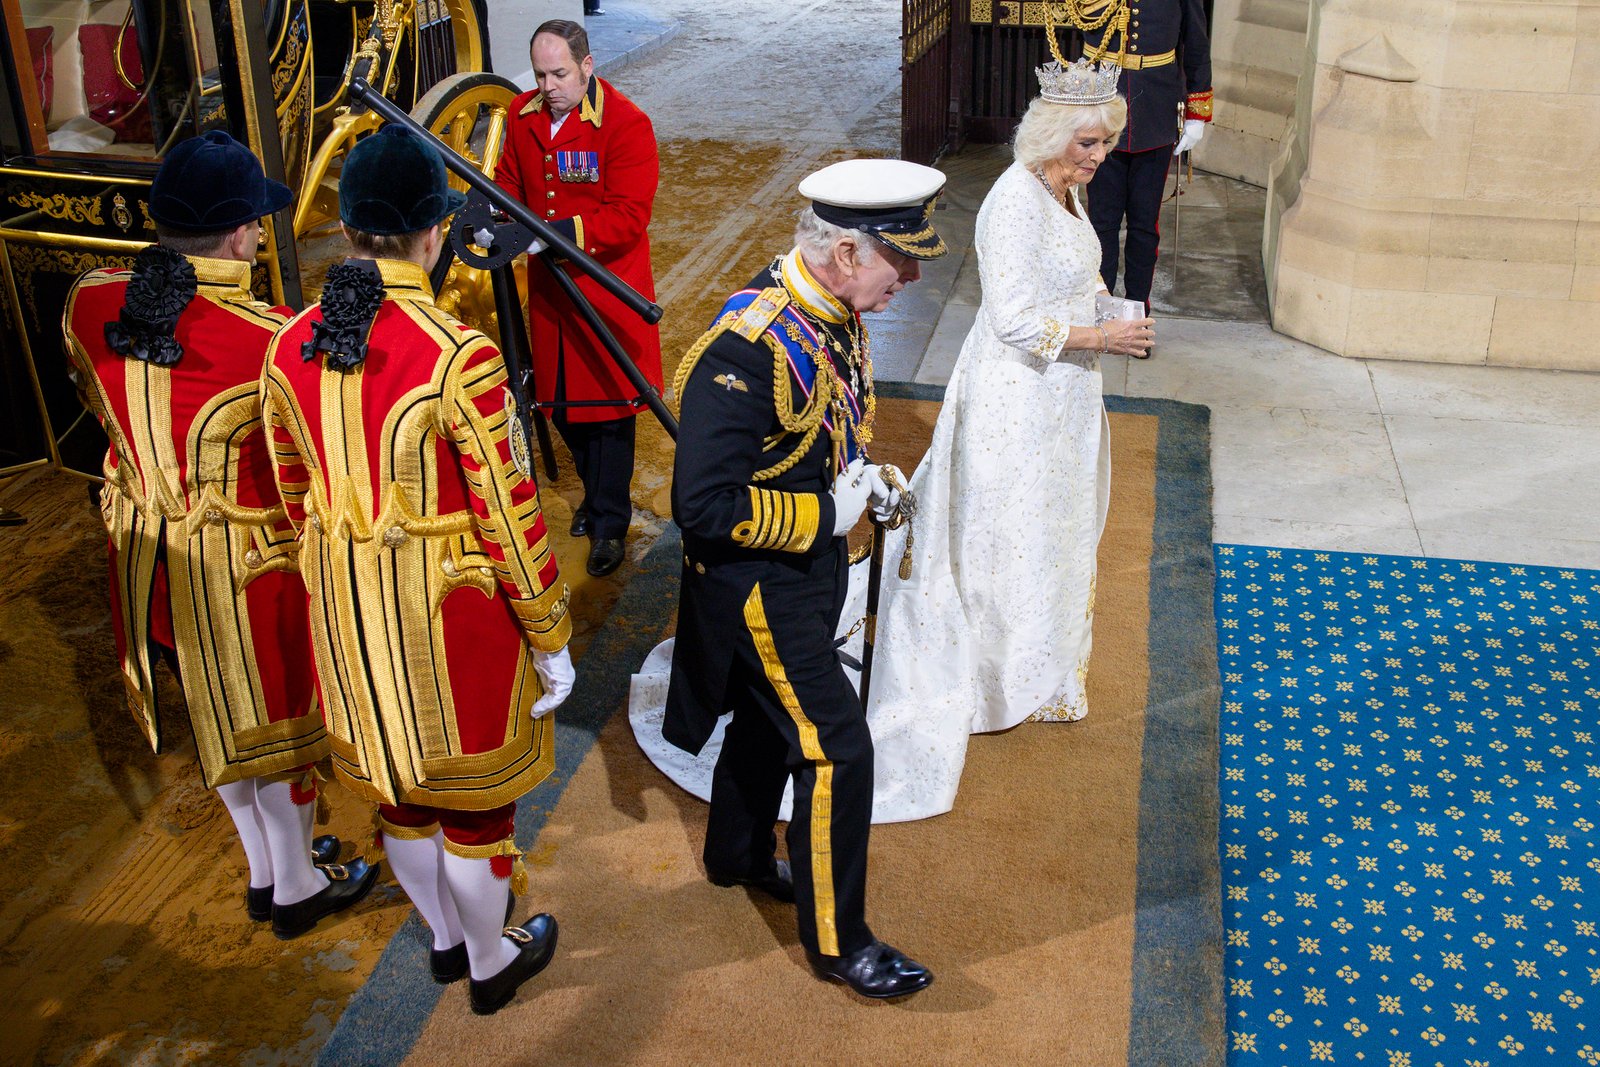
993	626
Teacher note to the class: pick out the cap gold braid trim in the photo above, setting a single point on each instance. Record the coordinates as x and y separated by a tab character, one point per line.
908	242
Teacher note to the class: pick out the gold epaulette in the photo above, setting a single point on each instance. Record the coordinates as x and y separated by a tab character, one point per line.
754	319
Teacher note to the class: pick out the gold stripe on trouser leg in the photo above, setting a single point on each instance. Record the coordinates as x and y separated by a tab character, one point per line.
755	617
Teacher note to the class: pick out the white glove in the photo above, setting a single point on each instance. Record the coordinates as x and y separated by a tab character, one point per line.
851	491
484	239
885	497
1193	130
556	674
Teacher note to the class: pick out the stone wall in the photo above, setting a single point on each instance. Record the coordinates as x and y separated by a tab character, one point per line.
1437	192
1257	52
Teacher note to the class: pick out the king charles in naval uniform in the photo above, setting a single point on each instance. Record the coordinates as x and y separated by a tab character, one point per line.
771	474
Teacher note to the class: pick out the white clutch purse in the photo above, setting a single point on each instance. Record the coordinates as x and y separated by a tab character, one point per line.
1108	307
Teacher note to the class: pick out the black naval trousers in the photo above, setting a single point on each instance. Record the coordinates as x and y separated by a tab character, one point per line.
795	714
602	452
1131	184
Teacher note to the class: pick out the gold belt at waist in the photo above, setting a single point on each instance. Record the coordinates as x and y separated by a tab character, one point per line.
1132	60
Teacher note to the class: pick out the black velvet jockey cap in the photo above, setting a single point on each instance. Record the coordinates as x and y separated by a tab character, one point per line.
394	182
892	199
211	183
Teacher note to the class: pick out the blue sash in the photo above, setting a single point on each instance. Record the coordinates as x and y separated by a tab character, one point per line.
802	368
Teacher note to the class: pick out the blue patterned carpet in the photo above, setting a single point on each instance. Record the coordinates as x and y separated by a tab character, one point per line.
1410	790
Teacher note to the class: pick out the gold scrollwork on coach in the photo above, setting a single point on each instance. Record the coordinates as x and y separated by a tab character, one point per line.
84	209
294	48
28	260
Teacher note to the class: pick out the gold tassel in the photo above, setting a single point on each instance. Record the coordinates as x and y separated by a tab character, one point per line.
519	877
905	557
374	851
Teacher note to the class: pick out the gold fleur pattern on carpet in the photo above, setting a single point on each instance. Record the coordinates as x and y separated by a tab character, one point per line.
1410	789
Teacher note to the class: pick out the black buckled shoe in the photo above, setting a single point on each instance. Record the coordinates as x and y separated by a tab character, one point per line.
776	882
878	971
580	524
537	938
258	900
451	964
605	556
348	883
325	849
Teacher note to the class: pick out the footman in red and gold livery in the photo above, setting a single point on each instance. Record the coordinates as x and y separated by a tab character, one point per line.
203	562
438	615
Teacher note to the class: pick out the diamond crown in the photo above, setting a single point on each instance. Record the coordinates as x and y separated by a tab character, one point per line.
1079	82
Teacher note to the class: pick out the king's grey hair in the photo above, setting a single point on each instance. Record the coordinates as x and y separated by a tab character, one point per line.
815	237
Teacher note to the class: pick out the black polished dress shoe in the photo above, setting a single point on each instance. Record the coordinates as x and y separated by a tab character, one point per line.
448	964
537	938
879	971
348	883
605	556
580	524
776	882
451	964
258	903
258	900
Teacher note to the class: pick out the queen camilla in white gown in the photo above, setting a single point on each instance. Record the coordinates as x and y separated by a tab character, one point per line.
993	626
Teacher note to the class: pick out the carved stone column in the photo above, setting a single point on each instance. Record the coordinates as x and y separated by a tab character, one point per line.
1438	193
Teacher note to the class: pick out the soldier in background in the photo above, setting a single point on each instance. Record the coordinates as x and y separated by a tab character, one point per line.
438	615
1165	52
204	565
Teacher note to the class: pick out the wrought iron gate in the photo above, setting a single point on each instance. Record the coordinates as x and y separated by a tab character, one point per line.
926	111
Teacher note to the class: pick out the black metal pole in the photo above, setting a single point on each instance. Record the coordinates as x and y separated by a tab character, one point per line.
869	636
516	351
646	391
465	170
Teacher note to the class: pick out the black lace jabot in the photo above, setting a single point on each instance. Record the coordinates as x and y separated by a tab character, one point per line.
162	285
351	298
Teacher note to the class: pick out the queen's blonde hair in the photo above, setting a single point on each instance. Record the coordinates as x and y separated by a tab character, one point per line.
1046	129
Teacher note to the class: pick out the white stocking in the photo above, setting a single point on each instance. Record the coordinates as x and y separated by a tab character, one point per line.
418	864
240	799
480	900
295	876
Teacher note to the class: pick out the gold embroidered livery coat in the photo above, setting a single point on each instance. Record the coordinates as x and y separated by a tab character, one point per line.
424	552
191	507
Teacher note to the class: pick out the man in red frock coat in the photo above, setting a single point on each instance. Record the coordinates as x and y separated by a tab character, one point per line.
204	565
583	157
